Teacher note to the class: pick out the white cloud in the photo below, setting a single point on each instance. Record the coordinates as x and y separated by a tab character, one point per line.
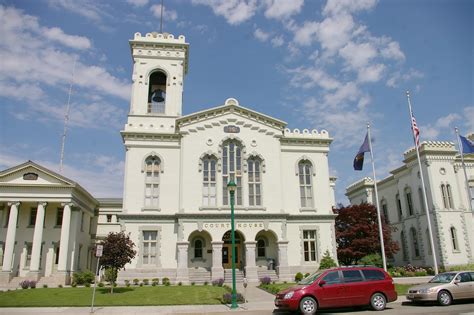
307	78
168	14
398	77
358	55
432	131
282	9
306	34
277	41
234	11
372	73
138	3
348	6
86	8
393	51
57	34
261	35
28	92
335	32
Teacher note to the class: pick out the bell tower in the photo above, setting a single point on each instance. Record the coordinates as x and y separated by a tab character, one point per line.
160	64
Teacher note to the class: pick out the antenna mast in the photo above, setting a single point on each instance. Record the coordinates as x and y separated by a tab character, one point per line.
66	117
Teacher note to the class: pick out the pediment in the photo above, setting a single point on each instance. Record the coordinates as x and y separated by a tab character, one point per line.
30	173
233	115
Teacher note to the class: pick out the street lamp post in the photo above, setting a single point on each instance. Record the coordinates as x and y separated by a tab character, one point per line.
231	186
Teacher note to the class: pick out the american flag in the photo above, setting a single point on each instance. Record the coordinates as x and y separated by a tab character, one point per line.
416	131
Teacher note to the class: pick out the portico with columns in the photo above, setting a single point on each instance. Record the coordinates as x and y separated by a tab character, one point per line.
47	223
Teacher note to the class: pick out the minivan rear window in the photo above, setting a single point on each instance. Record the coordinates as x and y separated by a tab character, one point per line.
373	274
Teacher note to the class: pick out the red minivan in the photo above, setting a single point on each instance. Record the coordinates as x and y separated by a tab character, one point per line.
339	287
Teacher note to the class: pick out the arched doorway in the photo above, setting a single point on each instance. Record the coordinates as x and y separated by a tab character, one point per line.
227	250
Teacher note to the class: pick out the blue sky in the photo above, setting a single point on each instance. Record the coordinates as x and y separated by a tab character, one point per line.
331	65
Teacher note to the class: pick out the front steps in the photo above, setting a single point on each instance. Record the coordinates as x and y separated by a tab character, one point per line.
239	276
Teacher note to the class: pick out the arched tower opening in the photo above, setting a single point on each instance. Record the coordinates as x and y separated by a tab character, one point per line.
157	92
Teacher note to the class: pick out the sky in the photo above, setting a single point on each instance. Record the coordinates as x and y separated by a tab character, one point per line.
333	65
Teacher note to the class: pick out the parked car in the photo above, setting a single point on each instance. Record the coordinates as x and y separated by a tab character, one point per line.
339	287
444	288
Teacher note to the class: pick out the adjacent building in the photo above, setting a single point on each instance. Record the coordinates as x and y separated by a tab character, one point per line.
402	204
175	203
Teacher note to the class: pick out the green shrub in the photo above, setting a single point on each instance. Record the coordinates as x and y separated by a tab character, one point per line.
127	283
327	261
372	259
60	286
101	284
306	274
206	283
141	284
298	277
87	285
192	283
45	286
166	281
180	283
81	278
157	280
145	281
136	281
74	285
110	275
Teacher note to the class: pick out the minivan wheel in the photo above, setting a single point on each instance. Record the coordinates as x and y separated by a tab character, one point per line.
444	298
378	301
308	305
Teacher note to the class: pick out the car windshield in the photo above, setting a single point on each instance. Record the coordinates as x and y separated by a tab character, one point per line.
311	278
443	277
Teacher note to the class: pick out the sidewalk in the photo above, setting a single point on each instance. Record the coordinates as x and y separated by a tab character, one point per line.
257	301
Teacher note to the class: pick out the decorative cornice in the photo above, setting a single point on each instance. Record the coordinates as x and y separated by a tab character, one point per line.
225	216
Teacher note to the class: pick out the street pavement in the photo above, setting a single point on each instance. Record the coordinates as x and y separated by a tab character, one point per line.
259	302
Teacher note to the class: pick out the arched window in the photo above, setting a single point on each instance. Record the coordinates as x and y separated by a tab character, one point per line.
449	194
261	248
209	192
385	211
454	238
198	248
152	181
232	170
305	171
157	93
399	207
255	182
422	200
444	195
415	246
409	201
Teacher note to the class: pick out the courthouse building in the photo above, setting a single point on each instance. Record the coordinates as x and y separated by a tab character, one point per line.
402	204
175	204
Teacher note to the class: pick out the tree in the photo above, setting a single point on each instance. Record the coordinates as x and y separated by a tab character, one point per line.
357	233
118	251
327	261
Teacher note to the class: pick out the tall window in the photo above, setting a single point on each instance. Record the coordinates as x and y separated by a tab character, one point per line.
255	194
305	171
157	93
444	195
198	248
261	248
232	170
152	181
309	245
385	211
59	217
415	246
409	201
209	181
29	247
399	207
33	212
404	246
449	194
149	247
454	238
422	200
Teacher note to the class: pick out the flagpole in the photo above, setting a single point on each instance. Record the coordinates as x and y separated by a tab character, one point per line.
461	149
379	219
430	230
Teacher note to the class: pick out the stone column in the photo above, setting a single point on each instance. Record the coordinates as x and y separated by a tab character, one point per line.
37	240
217	271
182	273
250	269
74	238
64	244
283	269
10	242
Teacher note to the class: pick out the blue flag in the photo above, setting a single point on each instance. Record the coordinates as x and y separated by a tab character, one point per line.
359	158
467	145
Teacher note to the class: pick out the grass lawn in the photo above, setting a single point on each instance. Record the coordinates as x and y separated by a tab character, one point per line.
275	288
122	296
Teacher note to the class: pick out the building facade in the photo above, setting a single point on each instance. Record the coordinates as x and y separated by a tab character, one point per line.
402	205
175	203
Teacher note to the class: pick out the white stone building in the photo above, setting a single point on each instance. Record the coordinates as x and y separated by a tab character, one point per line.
175	201
401	202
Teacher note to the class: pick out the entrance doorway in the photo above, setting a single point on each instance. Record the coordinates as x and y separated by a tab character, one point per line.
227	250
